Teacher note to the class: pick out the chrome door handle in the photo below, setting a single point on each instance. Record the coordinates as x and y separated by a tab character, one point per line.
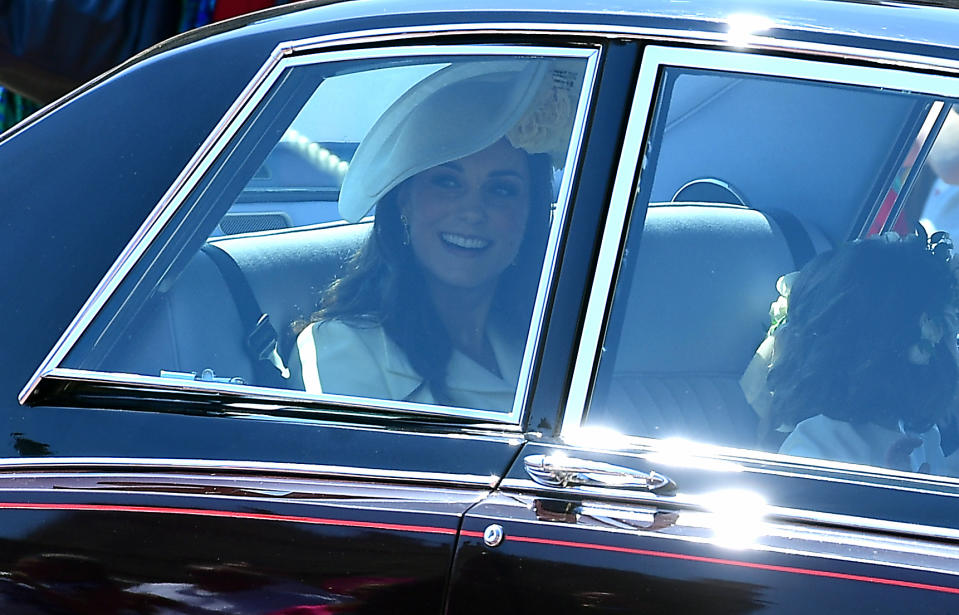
561	471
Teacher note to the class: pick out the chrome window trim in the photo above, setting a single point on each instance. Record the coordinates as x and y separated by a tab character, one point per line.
127	464
238	115
655	58
281	398
755	42
593	30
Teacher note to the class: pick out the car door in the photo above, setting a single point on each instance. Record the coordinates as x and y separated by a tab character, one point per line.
164	471
658	487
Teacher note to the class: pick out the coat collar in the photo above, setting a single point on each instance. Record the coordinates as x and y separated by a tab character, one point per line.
463	374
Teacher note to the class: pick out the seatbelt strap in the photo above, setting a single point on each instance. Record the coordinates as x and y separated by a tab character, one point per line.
262	340
797	239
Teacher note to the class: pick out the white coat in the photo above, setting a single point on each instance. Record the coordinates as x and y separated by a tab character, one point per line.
868	444
335	357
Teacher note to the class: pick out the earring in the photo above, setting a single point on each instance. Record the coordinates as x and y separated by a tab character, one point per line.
406	229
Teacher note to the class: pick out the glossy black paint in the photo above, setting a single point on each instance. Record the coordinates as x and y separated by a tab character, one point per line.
146	156
186	541
609	551
89	538
616	558
100	195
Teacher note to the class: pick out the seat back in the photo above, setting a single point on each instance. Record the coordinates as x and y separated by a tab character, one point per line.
195	324
697	308
289	270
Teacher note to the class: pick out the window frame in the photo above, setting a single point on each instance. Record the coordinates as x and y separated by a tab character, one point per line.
624	210
286	56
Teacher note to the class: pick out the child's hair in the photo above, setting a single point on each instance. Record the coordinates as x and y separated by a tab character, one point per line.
867	337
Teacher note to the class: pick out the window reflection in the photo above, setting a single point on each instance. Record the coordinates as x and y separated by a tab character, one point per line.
435	305
376	230
687	348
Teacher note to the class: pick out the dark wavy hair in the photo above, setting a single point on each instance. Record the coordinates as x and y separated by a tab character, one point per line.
853	316
384	285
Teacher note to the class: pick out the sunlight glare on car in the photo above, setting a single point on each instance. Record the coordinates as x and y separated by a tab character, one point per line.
682	453
736	516
743	26
602	438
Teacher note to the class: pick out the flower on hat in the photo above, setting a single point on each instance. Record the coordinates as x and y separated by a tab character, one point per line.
546	126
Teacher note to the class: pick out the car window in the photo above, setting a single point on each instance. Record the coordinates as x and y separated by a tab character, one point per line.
712	337
369	231
299	180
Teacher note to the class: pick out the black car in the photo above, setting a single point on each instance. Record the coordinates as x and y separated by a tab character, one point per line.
431	307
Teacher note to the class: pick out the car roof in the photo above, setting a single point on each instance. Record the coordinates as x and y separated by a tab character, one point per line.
926	23
873	23
902	31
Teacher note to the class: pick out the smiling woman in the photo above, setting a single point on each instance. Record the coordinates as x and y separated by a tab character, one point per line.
435	306
373	237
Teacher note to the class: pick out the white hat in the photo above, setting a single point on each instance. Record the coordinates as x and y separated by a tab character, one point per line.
453	113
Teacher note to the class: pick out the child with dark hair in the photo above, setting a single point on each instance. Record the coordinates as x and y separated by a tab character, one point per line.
866	363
